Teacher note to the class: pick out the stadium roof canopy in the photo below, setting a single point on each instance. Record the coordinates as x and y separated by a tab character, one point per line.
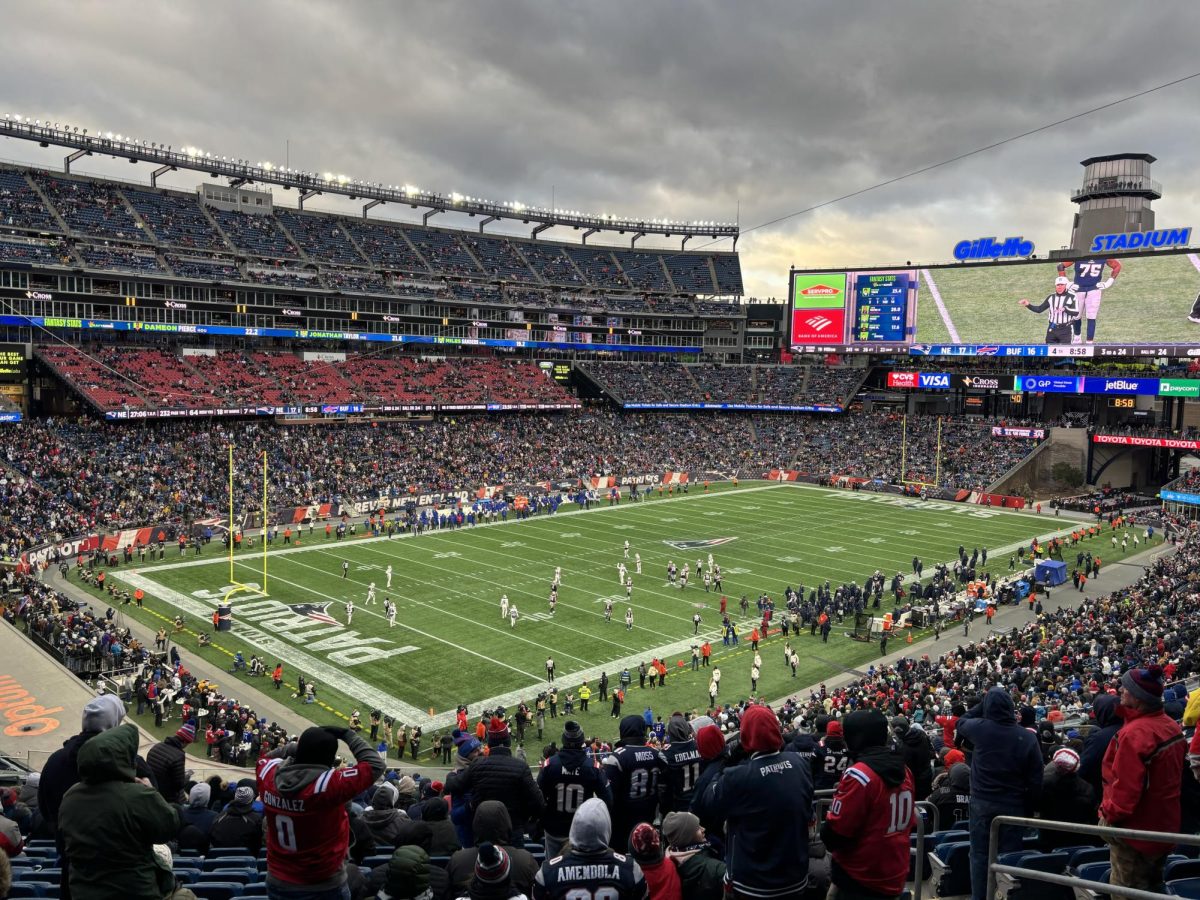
309	184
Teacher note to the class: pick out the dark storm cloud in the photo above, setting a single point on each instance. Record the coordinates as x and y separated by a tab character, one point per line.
677	110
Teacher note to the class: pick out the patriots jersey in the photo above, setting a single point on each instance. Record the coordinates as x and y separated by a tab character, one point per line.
634	772
679	780
595	876
837	759
308	830
1088	273
566	781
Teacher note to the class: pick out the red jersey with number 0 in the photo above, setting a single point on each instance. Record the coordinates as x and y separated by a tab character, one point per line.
880	819
308	831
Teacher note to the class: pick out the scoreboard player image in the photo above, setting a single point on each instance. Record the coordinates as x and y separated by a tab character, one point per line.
1062	311
1127	299
1089	286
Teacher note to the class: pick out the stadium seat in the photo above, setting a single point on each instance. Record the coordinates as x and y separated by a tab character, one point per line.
241	876
1031	888
216	890
187	862
228	862
30	889
1184	887
255	887
376	859
951	867
186	875
1089	855
1094	871
441	861
218	852
1181	868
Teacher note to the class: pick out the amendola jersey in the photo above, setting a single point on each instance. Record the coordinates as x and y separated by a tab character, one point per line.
880	819
308	831
590	876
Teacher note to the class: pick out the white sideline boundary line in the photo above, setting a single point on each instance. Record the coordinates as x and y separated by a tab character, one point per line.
348	684
942	311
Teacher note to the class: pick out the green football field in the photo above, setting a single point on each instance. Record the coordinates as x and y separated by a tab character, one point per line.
1147	303
449	644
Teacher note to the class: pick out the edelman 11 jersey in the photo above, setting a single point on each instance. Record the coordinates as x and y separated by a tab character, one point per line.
679	779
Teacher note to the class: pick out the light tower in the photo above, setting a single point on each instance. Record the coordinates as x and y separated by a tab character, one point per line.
1114	199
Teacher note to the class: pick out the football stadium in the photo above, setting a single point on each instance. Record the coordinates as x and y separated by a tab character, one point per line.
364	539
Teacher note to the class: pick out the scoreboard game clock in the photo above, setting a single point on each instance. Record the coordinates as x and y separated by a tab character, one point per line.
1122	402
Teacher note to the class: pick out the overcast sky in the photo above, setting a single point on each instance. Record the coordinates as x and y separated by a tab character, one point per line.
682	110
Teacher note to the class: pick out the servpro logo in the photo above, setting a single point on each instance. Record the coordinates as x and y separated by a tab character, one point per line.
820	290
25	717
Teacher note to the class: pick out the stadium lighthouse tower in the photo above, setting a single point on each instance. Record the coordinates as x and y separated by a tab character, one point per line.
1114	199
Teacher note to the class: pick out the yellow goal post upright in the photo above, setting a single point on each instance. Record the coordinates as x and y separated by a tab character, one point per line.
937	466
237	587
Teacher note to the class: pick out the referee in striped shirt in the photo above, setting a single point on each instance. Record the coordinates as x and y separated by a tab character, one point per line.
1061	308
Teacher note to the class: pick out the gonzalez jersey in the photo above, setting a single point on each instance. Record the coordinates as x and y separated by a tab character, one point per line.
879	819
634	772
590	876
679	778
565	782
308	831
834	765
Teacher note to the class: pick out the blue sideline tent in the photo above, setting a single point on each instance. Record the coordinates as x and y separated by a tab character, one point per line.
1051	572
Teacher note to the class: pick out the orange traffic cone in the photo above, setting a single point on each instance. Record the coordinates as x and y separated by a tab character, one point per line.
910	635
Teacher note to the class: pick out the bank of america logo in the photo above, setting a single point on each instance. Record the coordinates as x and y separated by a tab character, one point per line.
820	323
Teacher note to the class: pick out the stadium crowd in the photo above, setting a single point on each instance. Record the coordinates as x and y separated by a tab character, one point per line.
1059	718
669	382
115	476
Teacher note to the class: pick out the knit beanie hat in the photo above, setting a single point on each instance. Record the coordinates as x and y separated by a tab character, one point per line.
385	796
199	796
243	796
316	747
103	713
645	843
680	828
1065	760
467	747
497	732
406	787
1145	684
953	757
760	730
573	735
710	742
834	728
492	865
186	732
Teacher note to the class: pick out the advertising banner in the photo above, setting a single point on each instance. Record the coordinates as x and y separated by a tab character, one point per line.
1120	386
1131	441
1036	434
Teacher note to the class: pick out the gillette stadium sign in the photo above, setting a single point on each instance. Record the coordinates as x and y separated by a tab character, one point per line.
1142	240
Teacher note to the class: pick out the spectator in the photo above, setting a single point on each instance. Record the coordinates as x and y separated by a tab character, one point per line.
493	875
662	878
382	817
1141	771
590	868
1108	723
406	875
196	820
435	876
766	802
111	821
567	779
678	783
633	770
952	796
492	825
304	795
166	759
1065	797
239	825
867	827
435	813
701	873
918	754
61	772
500	776
1006	777
12	842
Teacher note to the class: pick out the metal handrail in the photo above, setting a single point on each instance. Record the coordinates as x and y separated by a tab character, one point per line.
995	868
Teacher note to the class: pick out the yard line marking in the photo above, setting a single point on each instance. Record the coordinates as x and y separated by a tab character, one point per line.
942	311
